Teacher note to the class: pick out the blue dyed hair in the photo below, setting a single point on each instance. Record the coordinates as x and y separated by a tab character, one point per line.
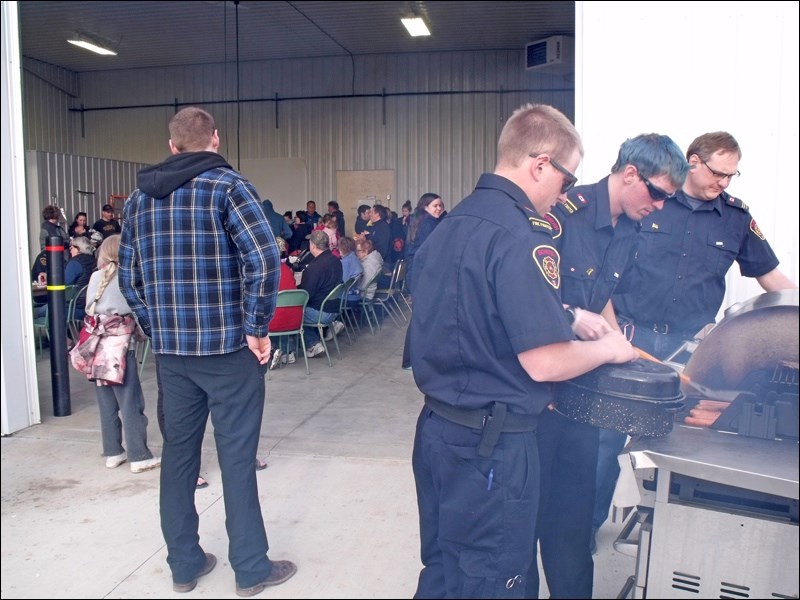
653	155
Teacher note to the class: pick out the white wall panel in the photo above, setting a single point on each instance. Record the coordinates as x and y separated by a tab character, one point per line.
734	70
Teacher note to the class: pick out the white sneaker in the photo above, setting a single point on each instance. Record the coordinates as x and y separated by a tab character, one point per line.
290	358
276	359
315	350
140	466
337	328
112	462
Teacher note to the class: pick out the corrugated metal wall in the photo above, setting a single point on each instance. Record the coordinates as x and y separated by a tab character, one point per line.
436	127
75	184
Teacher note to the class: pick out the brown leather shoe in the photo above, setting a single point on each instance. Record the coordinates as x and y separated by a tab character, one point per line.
182	588
282	570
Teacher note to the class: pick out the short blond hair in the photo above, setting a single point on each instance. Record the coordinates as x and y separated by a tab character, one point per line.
537	129
191	129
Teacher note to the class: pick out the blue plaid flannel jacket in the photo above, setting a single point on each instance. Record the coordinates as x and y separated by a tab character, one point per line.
199	267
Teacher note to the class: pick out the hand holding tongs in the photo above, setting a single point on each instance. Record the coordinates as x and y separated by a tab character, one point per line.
706	392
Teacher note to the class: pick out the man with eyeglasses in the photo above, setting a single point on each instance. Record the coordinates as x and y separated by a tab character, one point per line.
488	334
595	231
677	283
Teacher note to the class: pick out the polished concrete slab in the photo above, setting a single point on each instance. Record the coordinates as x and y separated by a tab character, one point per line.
338	496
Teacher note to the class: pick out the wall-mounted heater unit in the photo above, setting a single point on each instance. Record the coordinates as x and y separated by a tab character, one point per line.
555	51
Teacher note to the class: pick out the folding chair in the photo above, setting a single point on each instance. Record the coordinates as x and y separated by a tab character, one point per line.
287	299
74	296
368	307
329	305
345	311
385	297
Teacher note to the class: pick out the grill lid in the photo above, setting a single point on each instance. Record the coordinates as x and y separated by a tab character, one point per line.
756	335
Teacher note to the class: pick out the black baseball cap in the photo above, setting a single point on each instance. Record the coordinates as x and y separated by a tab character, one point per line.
108	208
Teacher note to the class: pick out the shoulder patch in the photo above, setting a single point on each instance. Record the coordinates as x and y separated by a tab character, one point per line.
737	203
572	205
555	224
548	259
756	230
539	224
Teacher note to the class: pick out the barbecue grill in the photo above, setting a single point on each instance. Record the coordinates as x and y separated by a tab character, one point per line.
718	515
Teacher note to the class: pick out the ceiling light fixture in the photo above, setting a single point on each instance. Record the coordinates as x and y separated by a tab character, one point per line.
415	26
89	44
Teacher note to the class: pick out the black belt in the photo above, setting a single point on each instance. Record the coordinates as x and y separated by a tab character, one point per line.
493	420
666	329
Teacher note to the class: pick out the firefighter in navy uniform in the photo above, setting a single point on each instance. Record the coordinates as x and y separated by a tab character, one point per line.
488	331
595	233
677	283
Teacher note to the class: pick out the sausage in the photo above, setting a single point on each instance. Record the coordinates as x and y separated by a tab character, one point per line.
706	415
697	422
713	405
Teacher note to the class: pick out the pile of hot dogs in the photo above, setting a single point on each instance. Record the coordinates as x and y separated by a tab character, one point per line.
705	413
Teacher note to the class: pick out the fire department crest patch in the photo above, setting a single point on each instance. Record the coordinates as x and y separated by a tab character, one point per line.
555	224
548	259
756	230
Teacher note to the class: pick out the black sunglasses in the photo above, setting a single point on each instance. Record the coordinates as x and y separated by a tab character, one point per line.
656	193
569	178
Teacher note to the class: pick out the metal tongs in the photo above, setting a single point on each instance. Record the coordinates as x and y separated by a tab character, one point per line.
706	392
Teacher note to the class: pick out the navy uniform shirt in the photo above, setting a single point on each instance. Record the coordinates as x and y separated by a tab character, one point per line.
486	287
678	275
594	253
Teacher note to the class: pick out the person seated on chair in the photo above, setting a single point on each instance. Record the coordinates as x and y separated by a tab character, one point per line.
379	232
328	224
364	213
277	222
333	209
351	265
312	216
39	266
301	229
322	274
79	270
286	318
372	264
80	226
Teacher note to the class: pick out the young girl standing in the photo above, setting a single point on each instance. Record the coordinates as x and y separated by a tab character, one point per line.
125	399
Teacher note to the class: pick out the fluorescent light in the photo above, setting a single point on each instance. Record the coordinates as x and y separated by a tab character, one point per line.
83	42
416	26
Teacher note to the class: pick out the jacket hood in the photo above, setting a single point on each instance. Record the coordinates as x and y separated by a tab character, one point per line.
162	179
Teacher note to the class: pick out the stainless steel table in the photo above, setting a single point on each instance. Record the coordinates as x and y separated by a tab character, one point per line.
719	516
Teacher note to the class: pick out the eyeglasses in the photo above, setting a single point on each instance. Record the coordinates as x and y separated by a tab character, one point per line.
656	193
719	174
569	178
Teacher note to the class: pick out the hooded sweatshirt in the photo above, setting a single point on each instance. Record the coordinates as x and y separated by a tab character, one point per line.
199	265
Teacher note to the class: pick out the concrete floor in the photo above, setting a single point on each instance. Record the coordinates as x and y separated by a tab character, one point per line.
338	497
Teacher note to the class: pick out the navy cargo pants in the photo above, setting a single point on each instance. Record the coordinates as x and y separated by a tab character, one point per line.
477	515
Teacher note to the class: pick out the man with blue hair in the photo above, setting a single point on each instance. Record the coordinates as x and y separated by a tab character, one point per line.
594	230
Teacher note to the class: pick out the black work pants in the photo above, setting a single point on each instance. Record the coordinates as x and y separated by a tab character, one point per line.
477	515
568	454
231	388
